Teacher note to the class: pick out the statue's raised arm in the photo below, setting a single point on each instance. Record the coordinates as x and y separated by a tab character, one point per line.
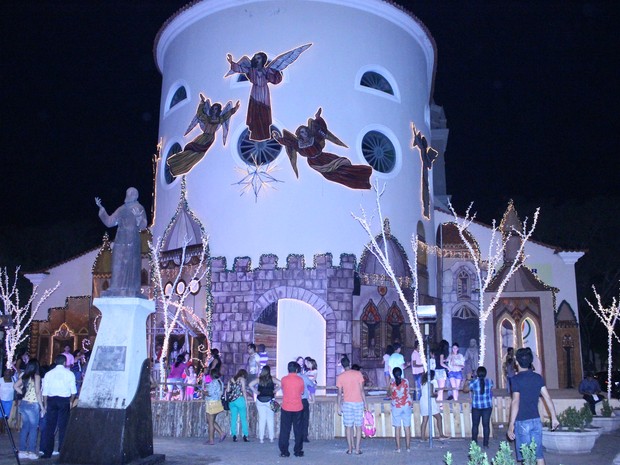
130	218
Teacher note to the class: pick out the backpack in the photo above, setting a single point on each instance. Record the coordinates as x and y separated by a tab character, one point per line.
369	428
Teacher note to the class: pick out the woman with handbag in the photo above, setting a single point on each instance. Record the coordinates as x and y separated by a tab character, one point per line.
31	408
265	388
235	392
213	405
400	396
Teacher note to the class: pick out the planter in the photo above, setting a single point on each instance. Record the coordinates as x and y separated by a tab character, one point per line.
606	424
567	442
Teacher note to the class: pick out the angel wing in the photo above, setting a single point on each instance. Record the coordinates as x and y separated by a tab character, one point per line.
204	107
244	63
283	60
318	127
226	120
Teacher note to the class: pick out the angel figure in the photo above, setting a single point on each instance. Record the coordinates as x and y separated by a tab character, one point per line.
428	156
260	72
309	142
210	118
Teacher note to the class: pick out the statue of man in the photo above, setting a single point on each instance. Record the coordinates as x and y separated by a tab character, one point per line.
126	258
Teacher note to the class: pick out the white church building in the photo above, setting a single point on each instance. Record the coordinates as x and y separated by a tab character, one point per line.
332	111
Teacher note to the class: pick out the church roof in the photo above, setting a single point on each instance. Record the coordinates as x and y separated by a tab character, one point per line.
524	280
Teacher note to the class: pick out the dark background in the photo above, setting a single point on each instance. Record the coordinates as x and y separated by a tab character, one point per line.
530	91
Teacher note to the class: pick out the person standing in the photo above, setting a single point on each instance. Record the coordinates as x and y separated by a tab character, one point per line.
253	363
396	360
305	415
7	391
352	403
31	409
428	390
213	405
510	367
58	391
525	424
456	362
481	405
265	388
291	411
238	402
417	369
263	356
389	350
401	408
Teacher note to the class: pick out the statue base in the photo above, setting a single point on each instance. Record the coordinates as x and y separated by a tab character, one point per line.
108	436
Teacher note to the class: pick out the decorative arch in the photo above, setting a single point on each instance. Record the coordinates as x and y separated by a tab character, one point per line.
395	325
464	282
377	80
320	305
371	340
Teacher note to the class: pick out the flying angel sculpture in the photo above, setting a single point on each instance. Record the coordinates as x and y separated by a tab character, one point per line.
209	117
309	142
428	156
261	72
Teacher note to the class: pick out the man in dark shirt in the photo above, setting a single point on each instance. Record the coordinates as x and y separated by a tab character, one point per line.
591	391
525	424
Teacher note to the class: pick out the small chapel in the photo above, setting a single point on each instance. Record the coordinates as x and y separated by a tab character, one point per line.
269	144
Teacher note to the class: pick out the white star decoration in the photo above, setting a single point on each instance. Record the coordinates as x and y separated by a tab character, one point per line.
256	176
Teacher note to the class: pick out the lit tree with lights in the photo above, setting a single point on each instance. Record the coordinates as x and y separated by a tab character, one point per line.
609	317
172	304
381	254
505	252
21	314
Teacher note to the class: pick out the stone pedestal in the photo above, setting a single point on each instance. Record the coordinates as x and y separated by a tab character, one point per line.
112	423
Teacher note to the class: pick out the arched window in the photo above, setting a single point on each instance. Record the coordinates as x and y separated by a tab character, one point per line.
374	80
257	152
371	333
379	151
395	325
179	95
529	337
463	288
168	176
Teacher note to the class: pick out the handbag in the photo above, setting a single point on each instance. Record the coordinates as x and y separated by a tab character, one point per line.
15	418
368	428
214	407
274	405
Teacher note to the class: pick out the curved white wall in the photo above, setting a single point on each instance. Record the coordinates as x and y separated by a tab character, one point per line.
308	215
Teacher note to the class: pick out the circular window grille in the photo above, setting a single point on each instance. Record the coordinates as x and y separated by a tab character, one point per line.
176	148
257	152
379	151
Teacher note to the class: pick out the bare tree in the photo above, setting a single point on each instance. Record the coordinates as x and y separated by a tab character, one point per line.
609	317
21	314
381	254
496	258
171	304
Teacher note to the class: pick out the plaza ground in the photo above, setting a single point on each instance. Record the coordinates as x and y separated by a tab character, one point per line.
194	451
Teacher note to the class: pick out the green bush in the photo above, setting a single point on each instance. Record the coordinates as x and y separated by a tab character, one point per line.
575	420
606	409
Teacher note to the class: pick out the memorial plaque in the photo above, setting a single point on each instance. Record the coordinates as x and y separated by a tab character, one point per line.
110	358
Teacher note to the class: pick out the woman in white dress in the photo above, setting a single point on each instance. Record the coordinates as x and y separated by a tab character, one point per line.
424	404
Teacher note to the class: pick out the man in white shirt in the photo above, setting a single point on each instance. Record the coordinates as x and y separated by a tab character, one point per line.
396	360
417	369
253	363
58	393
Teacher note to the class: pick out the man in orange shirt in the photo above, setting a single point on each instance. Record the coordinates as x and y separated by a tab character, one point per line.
351	404
290	414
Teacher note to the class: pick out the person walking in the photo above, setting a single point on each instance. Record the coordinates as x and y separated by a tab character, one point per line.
291	411
265	388
351	403
481	405
401	407
417	369
525	424
58	391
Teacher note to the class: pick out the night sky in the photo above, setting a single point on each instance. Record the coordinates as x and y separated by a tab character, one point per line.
530	91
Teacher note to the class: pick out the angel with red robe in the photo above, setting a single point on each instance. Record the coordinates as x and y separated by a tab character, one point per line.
427	156
209	118
309	142
261	72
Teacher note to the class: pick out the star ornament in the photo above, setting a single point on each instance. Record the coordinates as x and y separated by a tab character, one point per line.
256	177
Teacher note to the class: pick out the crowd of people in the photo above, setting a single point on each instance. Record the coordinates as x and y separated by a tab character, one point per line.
38	400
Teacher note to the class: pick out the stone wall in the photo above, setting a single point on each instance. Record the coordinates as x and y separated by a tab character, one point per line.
240	295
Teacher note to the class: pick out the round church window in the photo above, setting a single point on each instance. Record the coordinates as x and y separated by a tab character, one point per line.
257	152
379	151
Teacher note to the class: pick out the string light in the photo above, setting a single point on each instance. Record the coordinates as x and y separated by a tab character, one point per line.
256	177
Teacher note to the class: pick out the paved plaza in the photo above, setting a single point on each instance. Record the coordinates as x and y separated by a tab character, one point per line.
194	451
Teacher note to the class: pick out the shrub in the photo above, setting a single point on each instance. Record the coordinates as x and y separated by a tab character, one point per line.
606	409
575	420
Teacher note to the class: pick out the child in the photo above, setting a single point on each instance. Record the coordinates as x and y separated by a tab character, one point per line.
190	380
311	373
426	385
